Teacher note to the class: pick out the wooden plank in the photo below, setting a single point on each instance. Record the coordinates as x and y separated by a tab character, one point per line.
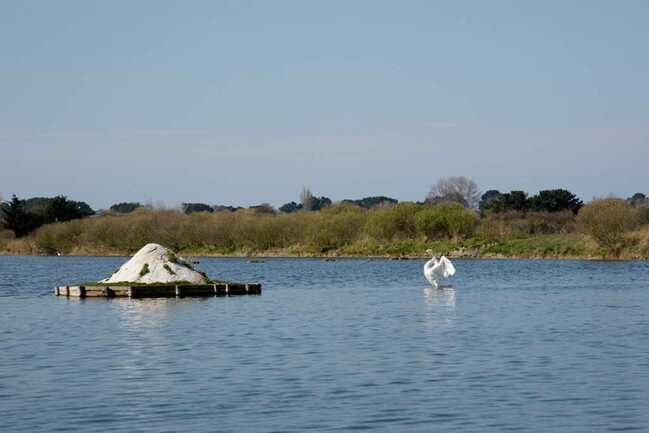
195	290
254	288
152	292
220	289
77	291
235	289
120	291
102	292
93	292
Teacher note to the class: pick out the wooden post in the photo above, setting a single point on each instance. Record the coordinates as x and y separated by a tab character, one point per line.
220	289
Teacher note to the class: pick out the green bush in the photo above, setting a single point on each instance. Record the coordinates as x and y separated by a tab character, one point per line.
397	222
446	220
608	222
58	237
335	227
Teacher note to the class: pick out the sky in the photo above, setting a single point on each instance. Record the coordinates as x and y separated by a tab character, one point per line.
243	102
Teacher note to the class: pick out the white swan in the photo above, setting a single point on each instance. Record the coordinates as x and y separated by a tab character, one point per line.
436	269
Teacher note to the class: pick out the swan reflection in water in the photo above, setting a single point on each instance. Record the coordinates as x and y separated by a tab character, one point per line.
440	305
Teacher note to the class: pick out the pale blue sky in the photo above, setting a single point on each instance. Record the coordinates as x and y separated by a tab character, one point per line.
239	102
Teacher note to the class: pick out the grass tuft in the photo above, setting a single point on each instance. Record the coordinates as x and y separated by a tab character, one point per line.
144	270
168	269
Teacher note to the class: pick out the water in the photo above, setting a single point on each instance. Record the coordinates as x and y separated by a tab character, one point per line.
349	345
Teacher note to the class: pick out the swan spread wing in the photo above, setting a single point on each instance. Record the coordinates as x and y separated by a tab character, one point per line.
449	269
443	268
429	272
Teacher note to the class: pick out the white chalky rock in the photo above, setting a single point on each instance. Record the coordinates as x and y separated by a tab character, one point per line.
155	264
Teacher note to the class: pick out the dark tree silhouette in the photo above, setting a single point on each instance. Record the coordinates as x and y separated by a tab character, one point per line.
555	200
488	199
638	199
16	219
196	207
290	207
125	207
372	202
61	209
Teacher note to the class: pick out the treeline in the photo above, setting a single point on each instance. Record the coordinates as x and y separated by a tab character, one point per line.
454	217
24	216
555	200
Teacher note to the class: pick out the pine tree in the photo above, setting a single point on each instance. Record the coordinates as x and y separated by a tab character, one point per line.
15	218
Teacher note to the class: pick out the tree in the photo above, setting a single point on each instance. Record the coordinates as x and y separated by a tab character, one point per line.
42	206
488	199
196	207
307	199
125	207
312	203
373	202
638	199
61	209
517	201
16	219
608	221
322	202
555	200
290	207
458	189
264	208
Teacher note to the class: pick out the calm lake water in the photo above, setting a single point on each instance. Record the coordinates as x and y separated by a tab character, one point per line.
543	346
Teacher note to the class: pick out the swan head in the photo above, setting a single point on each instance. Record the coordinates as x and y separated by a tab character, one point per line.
430	253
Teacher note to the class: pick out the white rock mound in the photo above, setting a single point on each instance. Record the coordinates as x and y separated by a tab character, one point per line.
156	264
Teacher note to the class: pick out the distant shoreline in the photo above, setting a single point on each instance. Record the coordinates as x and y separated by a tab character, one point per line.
333	257
405	230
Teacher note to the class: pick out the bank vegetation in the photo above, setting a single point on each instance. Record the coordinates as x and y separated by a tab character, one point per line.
605	228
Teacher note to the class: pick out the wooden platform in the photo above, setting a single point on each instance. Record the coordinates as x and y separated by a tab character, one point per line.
158	290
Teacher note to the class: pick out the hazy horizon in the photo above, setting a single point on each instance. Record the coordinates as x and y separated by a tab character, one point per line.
239	103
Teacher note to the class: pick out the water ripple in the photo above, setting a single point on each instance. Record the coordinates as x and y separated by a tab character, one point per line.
352	345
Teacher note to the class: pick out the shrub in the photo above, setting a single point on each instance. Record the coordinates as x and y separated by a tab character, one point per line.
608	222
335	227
460	222
643	214
450	220
523	224
431	223
58	237
398	222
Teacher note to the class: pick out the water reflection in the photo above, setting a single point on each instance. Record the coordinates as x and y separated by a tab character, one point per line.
144	337
137	314
440	305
